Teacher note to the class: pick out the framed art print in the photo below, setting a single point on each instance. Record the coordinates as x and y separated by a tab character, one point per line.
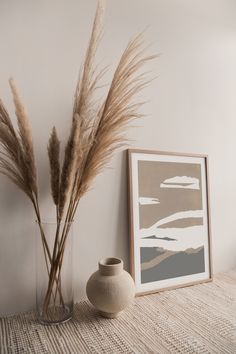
169	220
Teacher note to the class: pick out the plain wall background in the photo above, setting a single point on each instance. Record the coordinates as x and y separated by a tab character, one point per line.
191	108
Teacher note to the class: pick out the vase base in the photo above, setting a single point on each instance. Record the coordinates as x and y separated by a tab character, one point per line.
55	316
53	323
109	315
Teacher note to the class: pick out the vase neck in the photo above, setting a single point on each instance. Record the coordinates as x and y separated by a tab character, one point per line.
110	266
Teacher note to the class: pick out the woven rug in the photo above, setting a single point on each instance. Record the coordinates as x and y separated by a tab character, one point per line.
197	319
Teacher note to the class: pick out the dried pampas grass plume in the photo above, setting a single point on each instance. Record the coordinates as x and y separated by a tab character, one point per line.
117	111
68	168
87	79
25	137
17	155
54	161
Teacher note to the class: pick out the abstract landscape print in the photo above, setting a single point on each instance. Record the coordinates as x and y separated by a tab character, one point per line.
170	220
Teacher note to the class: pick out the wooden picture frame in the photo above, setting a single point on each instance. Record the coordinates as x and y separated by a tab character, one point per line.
169	212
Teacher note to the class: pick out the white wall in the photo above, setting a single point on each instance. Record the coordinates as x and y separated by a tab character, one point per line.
192	108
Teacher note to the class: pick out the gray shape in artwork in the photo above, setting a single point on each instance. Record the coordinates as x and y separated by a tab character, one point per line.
177	265
148	253
153	237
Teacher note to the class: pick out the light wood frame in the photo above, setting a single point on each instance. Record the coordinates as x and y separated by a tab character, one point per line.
131	216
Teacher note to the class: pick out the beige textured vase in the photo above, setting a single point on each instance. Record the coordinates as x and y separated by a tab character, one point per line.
111	289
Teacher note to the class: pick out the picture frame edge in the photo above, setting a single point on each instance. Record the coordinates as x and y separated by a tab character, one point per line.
130	213
162	152
131	151
209	217
174	287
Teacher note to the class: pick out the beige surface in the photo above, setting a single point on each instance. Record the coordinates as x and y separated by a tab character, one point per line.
199	319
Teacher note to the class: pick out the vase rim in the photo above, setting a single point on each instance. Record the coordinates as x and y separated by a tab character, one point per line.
110	266
111	261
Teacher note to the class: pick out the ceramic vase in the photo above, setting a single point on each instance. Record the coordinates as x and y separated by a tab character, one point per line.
111	289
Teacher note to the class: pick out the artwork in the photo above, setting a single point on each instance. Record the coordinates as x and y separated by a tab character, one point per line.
169	218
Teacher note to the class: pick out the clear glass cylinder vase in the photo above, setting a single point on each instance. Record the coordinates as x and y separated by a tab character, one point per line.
54	272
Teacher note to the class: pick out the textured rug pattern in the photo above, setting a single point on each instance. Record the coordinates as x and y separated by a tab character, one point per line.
197	319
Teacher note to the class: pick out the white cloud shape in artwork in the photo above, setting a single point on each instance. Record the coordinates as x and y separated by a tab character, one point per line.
184	182
147	201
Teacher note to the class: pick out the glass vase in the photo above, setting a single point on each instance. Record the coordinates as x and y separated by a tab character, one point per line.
54	266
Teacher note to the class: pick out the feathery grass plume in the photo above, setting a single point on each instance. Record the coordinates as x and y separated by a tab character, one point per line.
9	171
4	118
12	163
69	165
87	79
26	138
13	145
9	159
117	110
54	161
87	84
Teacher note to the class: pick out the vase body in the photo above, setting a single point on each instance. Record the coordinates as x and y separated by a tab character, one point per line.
111	289
54	296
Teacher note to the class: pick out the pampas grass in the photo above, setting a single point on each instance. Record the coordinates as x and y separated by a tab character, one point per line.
17	162
97	131
69	165
54	161
25	138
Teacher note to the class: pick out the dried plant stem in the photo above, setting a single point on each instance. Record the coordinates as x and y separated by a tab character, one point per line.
46	251
54	255
69	219
57	262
